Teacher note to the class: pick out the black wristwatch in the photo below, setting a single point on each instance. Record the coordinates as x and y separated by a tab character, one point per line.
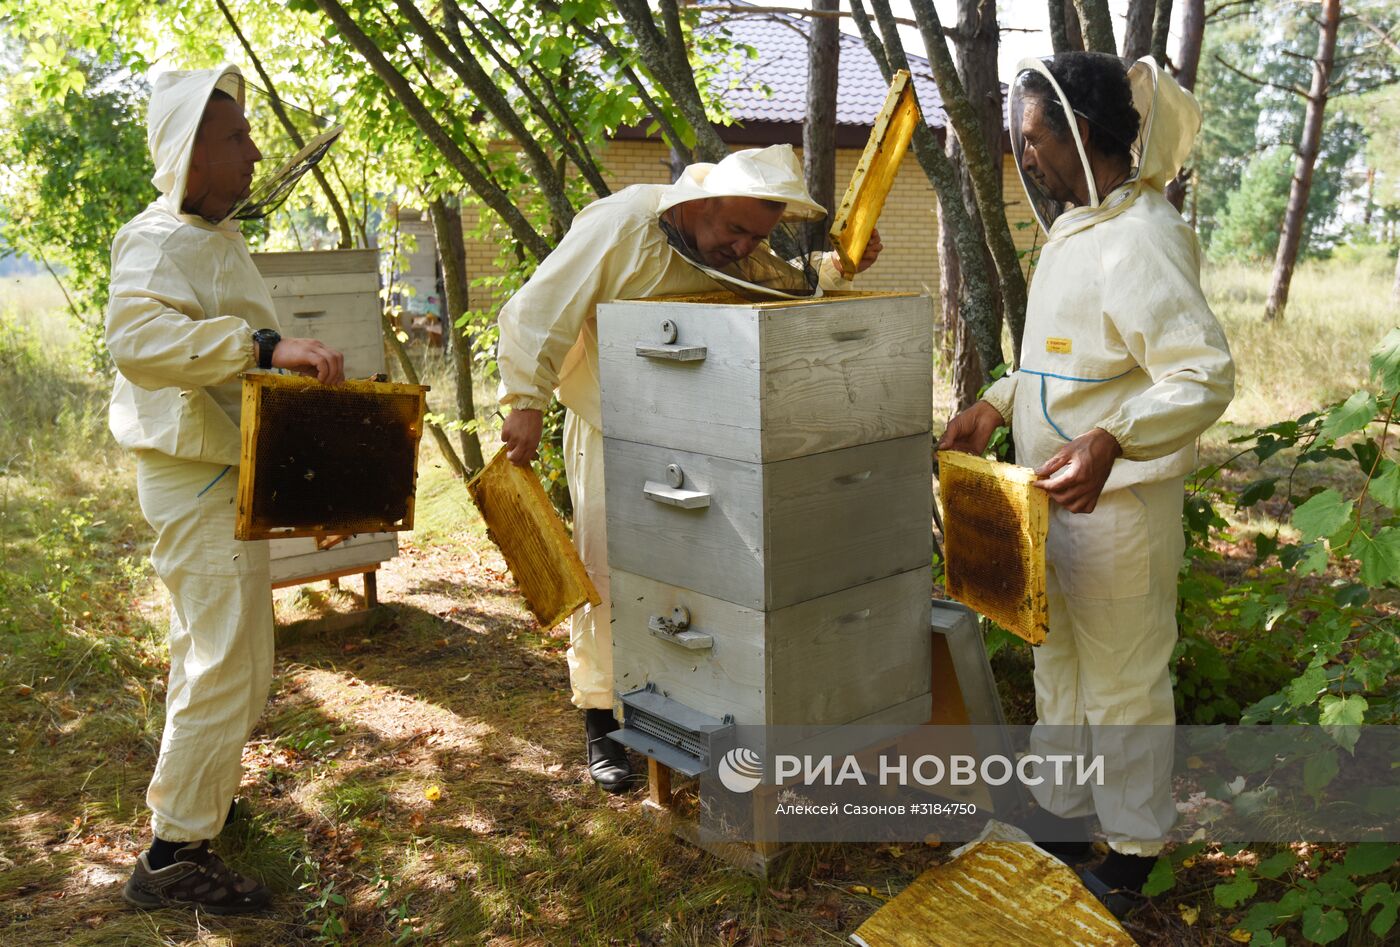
266	340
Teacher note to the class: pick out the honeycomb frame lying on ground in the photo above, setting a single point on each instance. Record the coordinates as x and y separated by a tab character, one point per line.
320	460
522	523
995	525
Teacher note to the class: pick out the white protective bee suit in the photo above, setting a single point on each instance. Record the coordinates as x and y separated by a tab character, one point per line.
185	299
1118	336
615	250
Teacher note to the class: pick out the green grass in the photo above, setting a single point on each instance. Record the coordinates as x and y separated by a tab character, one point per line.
455	688
1338	311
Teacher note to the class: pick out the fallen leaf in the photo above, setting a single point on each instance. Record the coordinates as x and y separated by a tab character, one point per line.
1241	936
932	841
432	794
1188	914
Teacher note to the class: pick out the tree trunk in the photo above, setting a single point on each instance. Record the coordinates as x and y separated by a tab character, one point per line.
979	301
975	42
452	251
1193	27
1161	30
1059	26
1307	161
950	291
819	130
1096	25
1193	31
984	168
1074	32
491	193
666	58
1137	31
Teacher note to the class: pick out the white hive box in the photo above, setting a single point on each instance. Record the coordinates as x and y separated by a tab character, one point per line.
768	470
333	296
766	381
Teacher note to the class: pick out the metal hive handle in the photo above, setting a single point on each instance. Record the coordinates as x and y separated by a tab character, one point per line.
675	629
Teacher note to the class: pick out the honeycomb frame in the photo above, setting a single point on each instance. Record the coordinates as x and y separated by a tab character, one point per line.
995	525
323	460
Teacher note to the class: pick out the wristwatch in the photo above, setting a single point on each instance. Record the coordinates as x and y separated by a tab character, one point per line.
266	340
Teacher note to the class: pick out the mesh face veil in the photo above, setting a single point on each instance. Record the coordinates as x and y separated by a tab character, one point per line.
763	274
1035	89
292	141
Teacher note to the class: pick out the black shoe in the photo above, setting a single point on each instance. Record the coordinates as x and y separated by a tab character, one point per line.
607	759
197	879
1120	902
1065	839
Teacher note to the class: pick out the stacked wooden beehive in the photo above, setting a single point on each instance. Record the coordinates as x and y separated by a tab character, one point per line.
768	473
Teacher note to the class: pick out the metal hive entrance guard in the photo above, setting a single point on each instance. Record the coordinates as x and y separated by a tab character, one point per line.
327	459
996	524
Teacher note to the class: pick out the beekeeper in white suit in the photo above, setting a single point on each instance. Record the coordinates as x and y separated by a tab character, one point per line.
645	240
1123	366
189	313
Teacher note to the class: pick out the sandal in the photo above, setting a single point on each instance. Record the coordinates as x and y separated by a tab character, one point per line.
197	879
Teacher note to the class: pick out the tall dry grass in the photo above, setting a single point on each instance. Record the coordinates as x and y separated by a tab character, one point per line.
1319	352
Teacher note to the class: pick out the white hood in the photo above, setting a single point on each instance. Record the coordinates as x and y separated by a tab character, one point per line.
172	120
1168	121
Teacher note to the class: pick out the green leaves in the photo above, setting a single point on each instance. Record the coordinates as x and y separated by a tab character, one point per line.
1160	879
1276	864
1350	416
1385	486
1322	515
1321	926
1379	555
1319	770
1384	896
1237	890
1342	711
1368	858
1385	362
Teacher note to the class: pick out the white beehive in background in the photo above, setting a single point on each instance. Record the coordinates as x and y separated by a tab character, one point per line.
333	296
768	471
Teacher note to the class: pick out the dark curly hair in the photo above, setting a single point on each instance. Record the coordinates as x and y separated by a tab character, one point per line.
1096	85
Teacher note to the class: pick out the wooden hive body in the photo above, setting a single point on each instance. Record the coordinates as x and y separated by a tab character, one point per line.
768	473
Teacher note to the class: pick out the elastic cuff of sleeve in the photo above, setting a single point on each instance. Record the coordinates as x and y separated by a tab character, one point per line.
527	404
1002	407
1119	430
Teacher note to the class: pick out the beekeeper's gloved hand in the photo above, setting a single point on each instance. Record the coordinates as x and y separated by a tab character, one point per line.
1083	465
521	435
971	429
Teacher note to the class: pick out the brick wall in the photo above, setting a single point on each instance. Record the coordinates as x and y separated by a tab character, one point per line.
908	224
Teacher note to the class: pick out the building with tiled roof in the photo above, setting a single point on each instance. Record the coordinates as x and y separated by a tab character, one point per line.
767	102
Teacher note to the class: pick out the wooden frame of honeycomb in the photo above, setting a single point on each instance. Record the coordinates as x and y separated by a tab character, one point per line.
995	525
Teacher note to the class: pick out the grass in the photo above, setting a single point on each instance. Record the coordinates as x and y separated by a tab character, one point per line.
1338	310
454	690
